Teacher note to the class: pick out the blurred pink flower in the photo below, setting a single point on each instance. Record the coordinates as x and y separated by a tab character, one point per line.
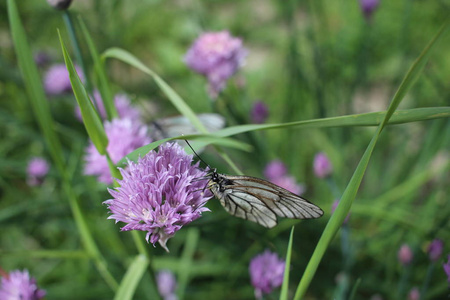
274	169
57	81
18	285
259	112
36	170
218	56
322	165
368	7
266	272
405	255
435	249
414	294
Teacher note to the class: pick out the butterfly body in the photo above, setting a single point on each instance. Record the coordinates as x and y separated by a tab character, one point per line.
259	200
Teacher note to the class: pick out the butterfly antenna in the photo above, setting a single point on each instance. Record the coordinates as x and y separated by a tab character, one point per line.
197	154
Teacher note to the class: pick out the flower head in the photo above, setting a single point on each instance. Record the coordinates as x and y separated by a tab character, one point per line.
447	268
276	168
266	272
218	56
259	112
322	165
333	208
124	136
36	170
405	255
435	249
167	284
414	294
122	103
368	7
158	194
57	79
18	285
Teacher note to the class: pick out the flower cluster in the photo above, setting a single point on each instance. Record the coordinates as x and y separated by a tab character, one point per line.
276	173
322	165
124	136
36	170
259	112
57	80
158	194
18	285
218	56
167	284
405	254
435	249
266	272
121	102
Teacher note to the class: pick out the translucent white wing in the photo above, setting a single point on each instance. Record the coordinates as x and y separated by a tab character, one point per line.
261	201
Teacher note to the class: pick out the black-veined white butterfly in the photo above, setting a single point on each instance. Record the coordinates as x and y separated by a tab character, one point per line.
258	200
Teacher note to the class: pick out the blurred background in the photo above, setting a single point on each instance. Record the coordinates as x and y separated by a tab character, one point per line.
306	60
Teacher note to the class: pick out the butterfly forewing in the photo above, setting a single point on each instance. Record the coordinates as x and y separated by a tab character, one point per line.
260	201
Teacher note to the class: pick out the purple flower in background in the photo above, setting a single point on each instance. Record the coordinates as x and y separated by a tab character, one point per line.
57	79
266	272
36	170
322	165
124	136
158	194
218	56
289	183
335	204
435	249
368	7
167	284
122	103
259	112
447	268
414	294
274	169
41	58
405	254
18	285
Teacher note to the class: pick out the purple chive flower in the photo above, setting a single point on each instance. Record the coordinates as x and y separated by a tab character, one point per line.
275	169
368	7
289	183
335	204
18	285
405	255
36	170
57	79
159	194
266	272
435	249
322	165
218	56
447	268
124	136
41	58
122	103
167	284
259	112
414	294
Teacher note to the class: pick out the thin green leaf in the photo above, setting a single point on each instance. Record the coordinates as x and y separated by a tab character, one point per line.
91	119
367	119
184	271
204	140
285	286
132	277
352	188
354	289
176	100
102	79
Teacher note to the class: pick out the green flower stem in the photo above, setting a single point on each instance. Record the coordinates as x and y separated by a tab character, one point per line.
426	283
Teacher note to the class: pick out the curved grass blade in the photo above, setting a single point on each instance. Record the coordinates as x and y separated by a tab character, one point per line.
204	139
176	100
132	277
102	79
366	119
285	286
91	119
349	195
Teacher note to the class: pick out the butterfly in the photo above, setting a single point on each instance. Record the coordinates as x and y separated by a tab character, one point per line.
258	200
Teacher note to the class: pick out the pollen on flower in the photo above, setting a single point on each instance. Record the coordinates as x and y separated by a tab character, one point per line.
158	194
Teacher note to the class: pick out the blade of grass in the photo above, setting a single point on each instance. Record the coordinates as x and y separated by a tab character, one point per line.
41	110
102	79
91	119
185	265
132	277
285	286
176	100
349	195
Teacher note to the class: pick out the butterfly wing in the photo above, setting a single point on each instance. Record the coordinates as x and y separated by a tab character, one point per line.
261	201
